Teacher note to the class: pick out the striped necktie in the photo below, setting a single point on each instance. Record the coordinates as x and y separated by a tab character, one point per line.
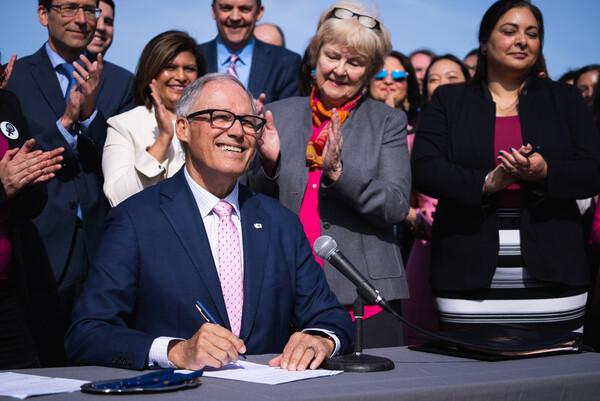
233	58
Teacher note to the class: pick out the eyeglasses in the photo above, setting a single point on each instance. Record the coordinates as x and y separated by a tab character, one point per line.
365	20
223	119
397	75
70	10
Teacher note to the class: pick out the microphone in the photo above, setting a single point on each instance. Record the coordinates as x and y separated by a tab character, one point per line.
326	248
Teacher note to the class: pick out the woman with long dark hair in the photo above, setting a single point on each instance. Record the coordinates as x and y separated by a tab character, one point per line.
507	155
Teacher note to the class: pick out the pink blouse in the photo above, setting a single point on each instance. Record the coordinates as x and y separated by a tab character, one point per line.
309	216
595	237
508	135
5	246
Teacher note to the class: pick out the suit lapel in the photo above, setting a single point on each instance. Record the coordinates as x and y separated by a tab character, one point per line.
210	54
45	77
181	211
255	231
260	68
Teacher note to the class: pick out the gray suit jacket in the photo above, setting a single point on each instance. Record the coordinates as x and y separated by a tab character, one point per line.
361	208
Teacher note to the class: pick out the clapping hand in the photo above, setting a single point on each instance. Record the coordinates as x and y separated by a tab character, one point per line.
269	145
332	153
22	167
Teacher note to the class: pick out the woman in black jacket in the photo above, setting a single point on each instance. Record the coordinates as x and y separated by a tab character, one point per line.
507	155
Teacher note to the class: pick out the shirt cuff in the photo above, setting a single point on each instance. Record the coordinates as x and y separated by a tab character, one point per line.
69	137
158	353
86	123
329	334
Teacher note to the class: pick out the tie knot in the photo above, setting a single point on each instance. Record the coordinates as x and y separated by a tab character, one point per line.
223	209
67	69
233	58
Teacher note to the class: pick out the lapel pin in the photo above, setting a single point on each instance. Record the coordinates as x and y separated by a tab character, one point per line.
257	225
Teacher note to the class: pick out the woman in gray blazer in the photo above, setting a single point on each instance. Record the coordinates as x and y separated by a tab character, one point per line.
340	160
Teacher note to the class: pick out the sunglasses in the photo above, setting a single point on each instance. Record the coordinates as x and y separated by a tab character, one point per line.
397	75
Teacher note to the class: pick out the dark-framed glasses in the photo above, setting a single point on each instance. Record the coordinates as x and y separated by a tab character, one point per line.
223	119
70	10
397	75
365	20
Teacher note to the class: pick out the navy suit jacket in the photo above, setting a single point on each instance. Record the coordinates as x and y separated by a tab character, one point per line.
80	180
274	69
155	262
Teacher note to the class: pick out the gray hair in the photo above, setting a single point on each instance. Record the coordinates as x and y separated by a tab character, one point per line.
193	91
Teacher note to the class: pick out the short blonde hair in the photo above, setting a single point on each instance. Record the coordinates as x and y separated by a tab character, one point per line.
374	44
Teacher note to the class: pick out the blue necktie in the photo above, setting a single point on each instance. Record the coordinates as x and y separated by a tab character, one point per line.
67	69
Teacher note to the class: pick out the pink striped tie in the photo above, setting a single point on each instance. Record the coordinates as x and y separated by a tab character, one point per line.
230	266
232	60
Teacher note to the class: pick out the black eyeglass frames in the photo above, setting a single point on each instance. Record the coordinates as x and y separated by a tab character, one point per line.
223	119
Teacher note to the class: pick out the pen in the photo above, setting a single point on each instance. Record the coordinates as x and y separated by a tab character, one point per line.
532	151
208	317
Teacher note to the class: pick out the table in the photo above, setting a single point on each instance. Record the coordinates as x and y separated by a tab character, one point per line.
417	376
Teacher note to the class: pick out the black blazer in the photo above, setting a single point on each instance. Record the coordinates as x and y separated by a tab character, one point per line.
454	150
30	201
274	69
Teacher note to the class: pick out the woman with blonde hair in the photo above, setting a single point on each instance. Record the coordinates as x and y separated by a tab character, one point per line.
339	159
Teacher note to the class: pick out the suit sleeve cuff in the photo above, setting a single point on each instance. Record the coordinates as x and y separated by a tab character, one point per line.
147	165
327	334
157	357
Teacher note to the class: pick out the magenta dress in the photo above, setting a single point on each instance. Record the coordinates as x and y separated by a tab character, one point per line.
420	308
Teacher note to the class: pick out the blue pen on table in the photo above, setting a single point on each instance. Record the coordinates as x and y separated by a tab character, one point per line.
210	319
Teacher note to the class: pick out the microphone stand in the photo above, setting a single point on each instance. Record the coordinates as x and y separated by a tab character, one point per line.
357	361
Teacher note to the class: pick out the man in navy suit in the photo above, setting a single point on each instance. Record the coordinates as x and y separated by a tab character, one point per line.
58	243
269	72
162	252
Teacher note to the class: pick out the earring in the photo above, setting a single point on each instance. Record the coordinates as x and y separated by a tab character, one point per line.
312	73
483	51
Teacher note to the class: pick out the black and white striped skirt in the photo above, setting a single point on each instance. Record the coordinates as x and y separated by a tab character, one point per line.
513	296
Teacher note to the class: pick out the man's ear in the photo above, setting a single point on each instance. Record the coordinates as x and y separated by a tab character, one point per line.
182	129
260	12
43	15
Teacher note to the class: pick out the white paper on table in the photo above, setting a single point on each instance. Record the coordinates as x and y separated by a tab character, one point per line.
21	386
256	373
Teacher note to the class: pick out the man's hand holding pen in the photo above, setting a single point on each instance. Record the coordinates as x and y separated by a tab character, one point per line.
212	345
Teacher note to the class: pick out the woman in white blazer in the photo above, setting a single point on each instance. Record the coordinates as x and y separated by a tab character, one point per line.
140	148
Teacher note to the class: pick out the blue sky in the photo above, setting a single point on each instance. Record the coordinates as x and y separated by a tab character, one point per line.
444	26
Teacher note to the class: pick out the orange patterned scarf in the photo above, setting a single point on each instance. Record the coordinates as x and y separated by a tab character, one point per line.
321	119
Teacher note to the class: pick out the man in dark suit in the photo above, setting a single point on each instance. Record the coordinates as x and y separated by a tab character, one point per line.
269	72
163	251
59	242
